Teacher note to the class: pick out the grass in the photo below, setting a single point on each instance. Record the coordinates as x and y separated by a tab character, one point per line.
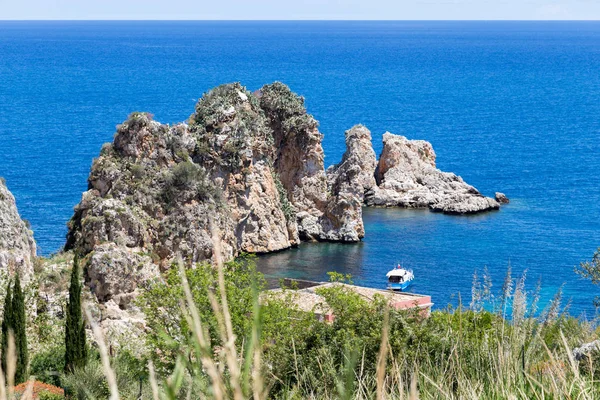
478	354
369	352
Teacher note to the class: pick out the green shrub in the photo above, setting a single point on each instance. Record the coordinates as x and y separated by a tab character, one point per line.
47	366
45	395
86	383
138	171
168	329
186	181
212	109
280	103
287	207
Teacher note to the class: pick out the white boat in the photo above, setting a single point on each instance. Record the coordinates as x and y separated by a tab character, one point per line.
399	278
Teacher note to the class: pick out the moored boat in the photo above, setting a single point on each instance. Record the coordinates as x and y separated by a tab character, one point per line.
399	278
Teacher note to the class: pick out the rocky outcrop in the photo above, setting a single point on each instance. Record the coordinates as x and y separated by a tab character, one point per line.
407	177
348	182
17	247
247	168
501	198
580	353
323	210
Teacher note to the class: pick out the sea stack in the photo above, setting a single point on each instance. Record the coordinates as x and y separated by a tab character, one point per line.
245	169
407	177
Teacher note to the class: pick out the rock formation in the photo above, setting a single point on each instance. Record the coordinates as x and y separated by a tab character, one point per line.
579	353
349	180
17	247
501	198
407	177
246	166
246	170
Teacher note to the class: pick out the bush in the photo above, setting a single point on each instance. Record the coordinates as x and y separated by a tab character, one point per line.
287	207
87	382
186	181
213	107
280	103
167	327
48	365
45	395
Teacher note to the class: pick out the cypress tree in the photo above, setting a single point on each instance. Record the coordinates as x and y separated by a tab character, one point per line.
75	347
6	325
20	329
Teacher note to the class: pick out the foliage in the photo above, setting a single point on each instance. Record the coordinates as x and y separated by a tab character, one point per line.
279	352
214	106
186	181
88	382
135	121
39	391
7	323
287	207
75	342
211	337
280	102
168	328
19	327
286	110
46	395
230	127
47	365
591	270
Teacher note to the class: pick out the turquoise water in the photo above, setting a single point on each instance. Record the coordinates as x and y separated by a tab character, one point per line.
510	106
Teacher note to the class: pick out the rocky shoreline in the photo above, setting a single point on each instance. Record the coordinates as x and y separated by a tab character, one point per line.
246	169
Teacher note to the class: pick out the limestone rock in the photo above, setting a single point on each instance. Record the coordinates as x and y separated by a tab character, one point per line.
322	213
248	171
117	272
17	247
407	177
246	168
348	182
580	352
501	198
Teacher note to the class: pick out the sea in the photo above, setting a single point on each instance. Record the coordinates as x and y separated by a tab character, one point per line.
509	106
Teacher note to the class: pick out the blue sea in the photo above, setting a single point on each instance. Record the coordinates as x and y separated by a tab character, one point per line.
510	106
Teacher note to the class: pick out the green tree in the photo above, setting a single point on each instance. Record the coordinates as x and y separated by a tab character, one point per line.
75	346
168	334
19	326
6	324
591	270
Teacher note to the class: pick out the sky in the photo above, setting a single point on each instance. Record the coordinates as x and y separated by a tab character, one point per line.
302	9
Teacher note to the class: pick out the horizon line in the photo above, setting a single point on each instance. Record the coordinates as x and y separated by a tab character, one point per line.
285	20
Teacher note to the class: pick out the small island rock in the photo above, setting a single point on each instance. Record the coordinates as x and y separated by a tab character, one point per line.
407	177
501	198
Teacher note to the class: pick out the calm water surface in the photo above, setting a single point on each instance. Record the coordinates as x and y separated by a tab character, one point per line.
510	106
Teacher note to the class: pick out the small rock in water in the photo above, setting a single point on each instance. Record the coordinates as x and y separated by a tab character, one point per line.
501	198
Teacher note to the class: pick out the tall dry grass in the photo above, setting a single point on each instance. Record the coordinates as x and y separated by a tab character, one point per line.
513	361
7	378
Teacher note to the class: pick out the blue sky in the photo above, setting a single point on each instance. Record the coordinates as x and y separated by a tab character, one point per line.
300	9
